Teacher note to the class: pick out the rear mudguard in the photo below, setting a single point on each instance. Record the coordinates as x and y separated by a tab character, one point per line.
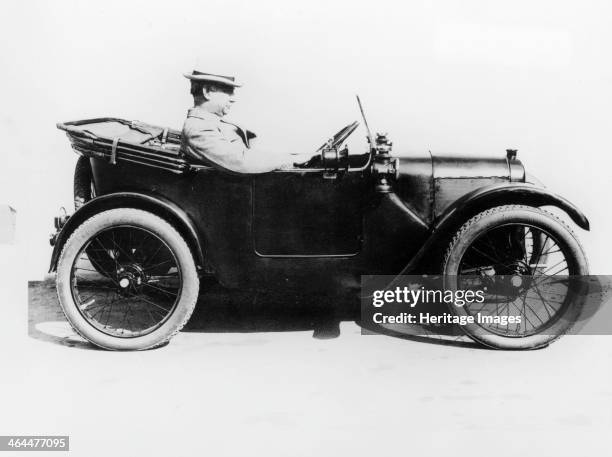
155	204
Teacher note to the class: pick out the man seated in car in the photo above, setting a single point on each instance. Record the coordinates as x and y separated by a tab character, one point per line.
209	139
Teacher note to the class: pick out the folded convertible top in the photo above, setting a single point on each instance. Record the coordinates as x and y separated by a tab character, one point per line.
118	140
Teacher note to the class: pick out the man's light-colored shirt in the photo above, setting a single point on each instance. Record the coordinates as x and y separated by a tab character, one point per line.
209	139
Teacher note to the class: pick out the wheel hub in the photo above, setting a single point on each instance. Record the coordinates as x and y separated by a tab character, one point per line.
516	281
130	278
510	279
521	279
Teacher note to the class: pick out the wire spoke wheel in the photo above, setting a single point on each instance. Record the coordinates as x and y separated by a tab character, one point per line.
124	245
120	296
127	280
525	262
517	265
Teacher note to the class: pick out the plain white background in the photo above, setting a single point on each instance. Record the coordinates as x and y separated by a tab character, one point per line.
470	76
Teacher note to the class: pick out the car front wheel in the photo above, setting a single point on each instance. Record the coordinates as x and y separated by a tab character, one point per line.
527	263
141	296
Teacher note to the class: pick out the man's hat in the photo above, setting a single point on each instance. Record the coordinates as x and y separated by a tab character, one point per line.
199	76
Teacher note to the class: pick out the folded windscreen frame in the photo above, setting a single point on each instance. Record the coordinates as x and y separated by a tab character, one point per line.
365	122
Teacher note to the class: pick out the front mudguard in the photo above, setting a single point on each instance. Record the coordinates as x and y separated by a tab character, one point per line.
488	197
508	194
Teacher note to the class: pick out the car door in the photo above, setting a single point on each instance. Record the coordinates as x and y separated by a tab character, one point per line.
308	213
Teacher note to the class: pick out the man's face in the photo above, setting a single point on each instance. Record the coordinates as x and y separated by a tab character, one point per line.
219	99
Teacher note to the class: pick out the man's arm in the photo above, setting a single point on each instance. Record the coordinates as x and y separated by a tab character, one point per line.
207	143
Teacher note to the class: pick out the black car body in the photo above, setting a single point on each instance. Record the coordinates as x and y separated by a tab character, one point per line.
317	228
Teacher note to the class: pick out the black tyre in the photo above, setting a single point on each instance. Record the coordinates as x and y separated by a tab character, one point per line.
127	305
526	260
83	188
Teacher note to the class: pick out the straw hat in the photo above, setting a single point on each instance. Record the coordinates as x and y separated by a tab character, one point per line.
200	76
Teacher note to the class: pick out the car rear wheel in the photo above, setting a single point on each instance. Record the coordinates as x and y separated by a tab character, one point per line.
84	190
526	262
126	303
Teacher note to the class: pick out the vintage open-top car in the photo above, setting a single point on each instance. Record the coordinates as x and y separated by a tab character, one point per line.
129	260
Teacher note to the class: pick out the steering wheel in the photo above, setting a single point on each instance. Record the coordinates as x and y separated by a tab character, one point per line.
333	143
340	137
